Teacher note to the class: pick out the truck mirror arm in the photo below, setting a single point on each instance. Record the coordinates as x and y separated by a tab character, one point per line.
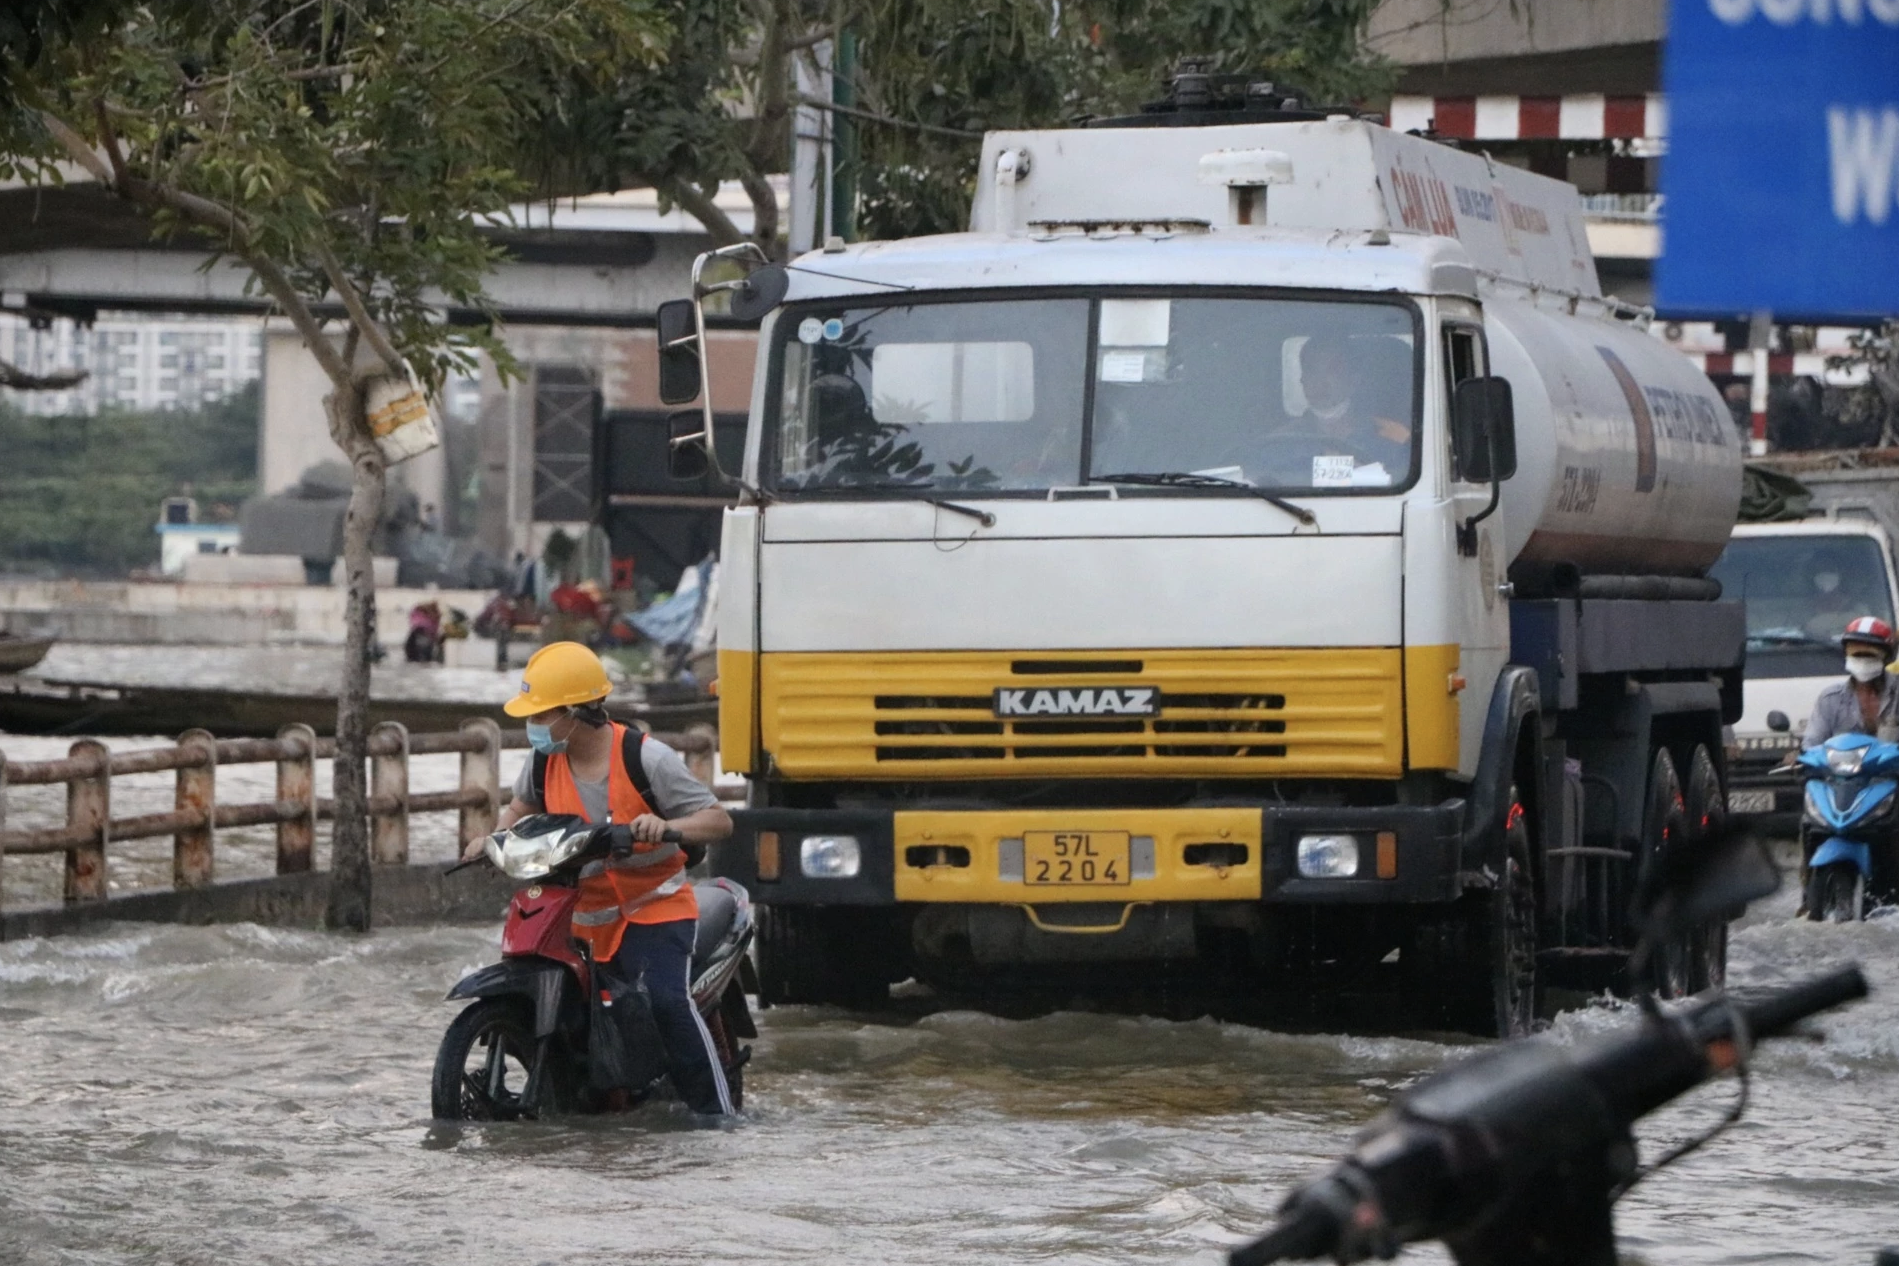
1467	530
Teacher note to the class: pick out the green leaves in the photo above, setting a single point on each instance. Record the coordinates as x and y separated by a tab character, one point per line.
385	134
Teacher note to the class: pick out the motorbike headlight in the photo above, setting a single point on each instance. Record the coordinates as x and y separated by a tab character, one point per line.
1845	760
830	857
533	856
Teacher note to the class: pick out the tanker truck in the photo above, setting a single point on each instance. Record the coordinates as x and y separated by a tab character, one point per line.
1255	554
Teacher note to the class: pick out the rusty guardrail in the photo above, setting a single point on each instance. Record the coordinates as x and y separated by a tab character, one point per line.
196	817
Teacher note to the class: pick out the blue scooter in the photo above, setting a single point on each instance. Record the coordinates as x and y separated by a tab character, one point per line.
1852	788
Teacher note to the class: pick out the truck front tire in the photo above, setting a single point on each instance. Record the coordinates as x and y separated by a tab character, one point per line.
1475	967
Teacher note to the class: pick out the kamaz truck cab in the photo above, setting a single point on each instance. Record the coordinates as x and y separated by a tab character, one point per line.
1254	550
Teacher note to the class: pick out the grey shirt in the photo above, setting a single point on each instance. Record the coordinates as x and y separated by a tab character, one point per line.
674	787
1836	711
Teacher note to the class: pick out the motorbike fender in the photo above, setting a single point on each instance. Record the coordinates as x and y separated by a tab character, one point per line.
1838	850
541	982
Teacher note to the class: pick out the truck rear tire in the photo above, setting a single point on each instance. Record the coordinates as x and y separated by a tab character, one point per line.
799	963
1670	967
1707	818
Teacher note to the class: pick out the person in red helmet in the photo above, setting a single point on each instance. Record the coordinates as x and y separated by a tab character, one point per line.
1867	702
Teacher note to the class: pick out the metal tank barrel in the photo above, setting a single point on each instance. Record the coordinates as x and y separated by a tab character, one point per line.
1628	460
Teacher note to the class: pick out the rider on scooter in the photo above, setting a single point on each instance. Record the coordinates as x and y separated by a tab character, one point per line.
1867	702
636	909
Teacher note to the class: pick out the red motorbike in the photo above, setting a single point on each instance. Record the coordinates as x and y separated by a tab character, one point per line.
547	1030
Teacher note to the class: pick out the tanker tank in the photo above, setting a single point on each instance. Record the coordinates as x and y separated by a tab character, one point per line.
1628	461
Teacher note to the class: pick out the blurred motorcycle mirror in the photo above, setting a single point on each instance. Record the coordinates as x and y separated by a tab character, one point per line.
1714	879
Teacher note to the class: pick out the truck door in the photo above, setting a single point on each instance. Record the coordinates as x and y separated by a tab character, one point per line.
1485	612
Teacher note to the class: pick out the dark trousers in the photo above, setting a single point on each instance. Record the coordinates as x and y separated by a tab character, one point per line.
662	953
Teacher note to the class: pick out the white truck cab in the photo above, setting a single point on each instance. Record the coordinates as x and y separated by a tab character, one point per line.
1256	548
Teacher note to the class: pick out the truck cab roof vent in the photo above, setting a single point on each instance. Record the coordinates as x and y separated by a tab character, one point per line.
1198	96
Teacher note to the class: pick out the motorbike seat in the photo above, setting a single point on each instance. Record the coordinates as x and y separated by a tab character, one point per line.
717	910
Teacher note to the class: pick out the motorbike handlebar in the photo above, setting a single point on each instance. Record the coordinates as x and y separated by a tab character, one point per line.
669	836
1459	1144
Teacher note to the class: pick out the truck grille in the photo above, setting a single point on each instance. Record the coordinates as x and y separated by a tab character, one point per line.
895	714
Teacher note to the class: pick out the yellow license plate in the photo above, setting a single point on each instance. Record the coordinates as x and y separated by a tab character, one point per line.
1062	858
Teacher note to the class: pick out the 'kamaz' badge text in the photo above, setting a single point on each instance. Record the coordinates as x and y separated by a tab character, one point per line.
1099	701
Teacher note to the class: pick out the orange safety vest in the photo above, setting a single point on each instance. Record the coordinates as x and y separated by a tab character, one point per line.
648	886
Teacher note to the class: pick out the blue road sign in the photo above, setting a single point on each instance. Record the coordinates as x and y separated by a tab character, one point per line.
1782	175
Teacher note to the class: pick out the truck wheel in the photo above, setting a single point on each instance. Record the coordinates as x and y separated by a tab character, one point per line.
1516	993
1833	894
1475	967
1665	826
798	964
1707	817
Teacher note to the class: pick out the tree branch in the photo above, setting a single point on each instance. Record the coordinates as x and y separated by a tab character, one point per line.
359	312
703	209
19	380
764	211
77	149
805	98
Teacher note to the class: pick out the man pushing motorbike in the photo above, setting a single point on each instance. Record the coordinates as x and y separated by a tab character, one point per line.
635	908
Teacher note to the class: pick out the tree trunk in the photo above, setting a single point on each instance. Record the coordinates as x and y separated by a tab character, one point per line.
350	875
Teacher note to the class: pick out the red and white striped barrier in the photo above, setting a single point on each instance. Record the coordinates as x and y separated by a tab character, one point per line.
1780	363
1581	117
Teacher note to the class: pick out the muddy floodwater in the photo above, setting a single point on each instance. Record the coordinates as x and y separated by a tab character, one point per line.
240	1094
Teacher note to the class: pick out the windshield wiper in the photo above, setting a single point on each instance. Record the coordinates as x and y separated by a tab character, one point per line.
1786	637
909	493
1183	479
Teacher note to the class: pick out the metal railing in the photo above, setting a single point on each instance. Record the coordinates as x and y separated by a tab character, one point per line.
197	816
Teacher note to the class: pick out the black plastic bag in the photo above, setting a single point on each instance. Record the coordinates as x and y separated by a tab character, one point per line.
624	1051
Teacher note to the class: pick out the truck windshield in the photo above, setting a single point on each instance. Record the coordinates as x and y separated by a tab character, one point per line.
1022	395
1800	590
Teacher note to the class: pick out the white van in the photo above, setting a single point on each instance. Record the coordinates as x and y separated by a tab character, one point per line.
1802	581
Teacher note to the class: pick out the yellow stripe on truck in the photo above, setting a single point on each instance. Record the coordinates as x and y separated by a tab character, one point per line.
738	708
1324	712
1431	687
1164	835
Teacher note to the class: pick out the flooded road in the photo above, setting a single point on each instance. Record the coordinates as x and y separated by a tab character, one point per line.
216	1095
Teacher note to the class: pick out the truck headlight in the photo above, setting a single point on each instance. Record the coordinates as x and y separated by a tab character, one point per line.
1328	856
830	857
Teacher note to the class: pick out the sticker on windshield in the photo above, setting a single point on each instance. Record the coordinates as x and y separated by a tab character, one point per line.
1124	366
1332	470
810	330
833	330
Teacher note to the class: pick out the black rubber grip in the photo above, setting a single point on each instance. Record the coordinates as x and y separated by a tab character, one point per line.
1778	1012
1305	1233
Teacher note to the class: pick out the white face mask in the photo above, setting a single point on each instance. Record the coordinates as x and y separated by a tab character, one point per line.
1865	667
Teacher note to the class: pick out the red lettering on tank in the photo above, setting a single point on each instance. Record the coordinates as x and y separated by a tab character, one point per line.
1424	203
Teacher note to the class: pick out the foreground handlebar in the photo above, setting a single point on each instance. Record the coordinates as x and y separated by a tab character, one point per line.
1461	1143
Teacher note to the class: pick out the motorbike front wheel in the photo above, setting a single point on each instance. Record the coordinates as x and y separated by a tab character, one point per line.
482	1066
1833	894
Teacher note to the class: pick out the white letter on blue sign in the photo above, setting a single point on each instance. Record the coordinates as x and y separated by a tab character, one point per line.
1864	145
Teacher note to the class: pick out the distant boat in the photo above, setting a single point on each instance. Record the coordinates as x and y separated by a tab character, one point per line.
17	654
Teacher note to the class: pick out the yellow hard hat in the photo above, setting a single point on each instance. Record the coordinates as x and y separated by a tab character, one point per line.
559	675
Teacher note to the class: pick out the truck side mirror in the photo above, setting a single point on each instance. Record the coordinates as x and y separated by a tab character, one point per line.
679	376
1483	430
686	445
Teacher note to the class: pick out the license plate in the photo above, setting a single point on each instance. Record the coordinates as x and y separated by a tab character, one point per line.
1064	858
1750	802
